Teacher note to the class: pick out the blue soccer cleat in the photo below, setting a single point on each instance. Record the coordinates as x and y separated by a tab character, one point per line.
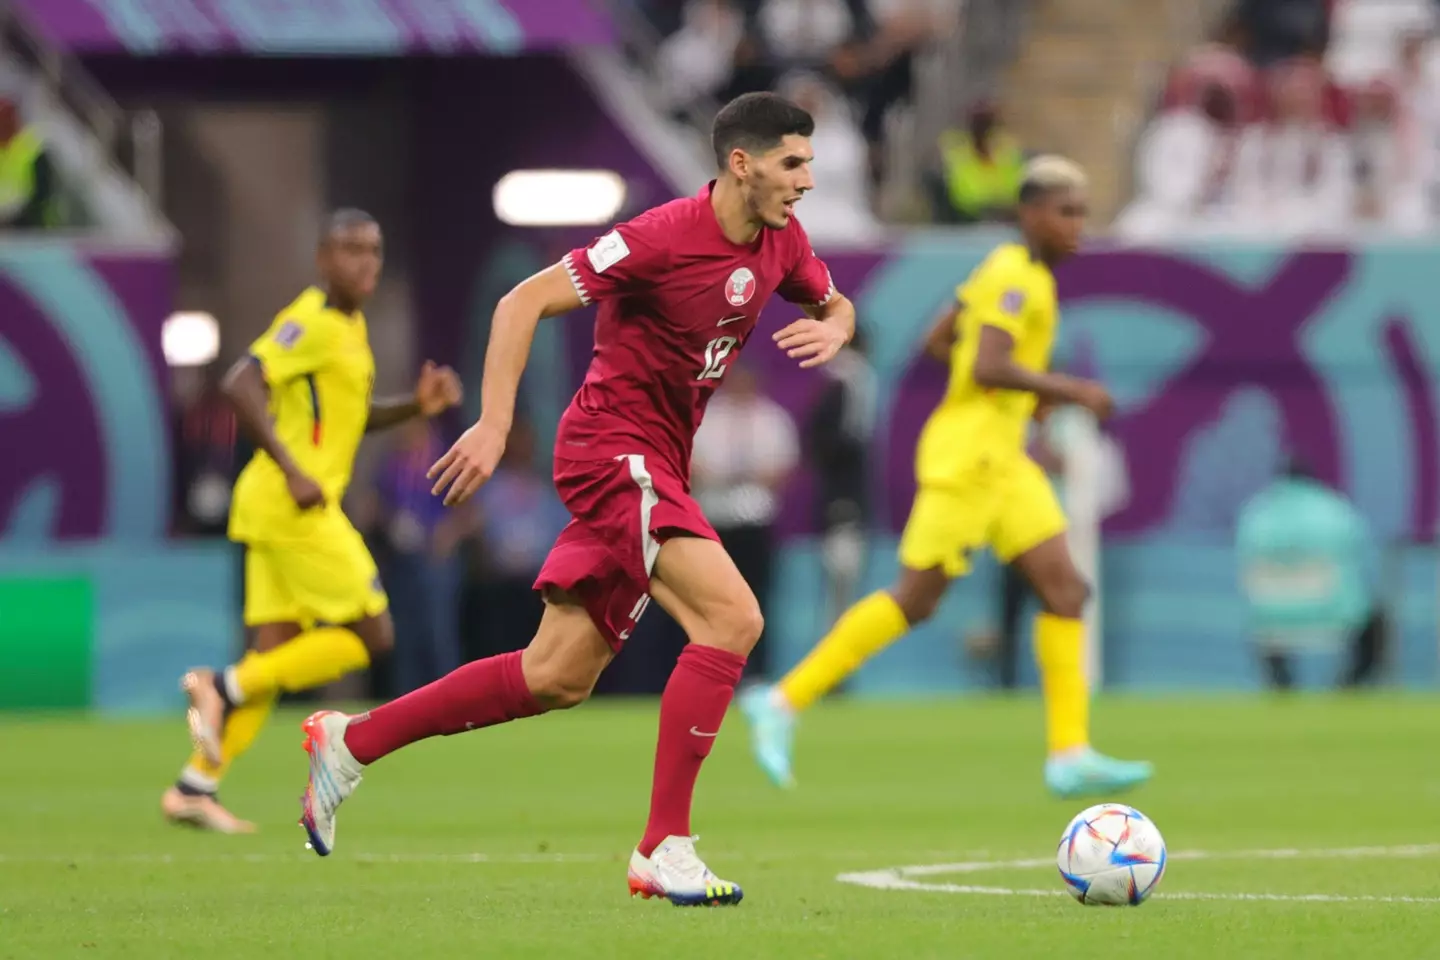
772	733
1088	773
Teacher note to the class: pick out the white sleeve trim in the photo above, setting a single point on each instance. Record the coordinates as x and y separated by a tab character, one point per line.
575	280
829	291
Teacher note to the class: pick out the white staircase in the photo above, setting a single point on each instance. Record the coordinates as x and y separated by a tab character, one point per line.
108	161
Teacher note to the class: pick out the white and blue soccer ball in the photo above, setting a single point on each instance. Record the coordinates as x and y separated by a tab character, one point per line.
1111	855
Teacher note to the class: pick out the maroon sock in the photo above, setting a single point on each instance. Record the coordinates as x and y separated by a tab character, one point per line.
479	694
691	710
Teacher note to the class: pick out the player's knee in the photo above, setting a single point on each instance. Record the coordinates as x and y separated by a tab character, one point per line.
738	628
918	594
1066	598
917	607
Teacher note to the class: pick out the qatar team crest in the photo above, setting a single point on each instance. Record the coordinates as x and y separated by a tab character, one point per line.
740	287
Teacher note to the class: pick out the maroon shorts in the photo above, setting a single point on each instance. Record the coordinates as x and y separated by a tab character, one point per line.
621	510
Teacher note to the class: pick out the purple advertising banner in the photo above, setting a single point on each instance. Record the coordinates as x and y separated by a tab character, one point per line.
318	27
82	394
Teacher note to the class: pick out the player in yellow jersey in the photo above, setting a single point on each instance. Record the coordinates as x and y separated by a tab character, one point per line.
314	607
978	488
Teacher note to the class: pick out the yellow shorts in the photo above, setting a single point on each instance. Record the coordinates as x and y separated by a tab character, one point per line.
1011	510
326	576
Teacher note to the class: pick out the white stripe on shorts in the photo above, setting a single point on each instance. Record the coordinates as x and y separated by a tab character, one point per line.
649	546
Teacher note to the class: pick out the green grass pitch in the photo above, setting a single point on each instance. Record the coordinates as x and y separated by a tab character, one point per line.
512	843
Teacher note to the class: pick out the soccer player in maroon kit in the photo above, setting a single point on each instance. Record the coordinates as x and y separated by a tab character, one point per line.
680	288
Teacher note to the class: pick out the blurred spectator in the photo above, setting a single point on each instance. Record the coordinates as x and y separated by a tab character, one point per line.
29	195
520	517
1413	90
1279	29
805	31
1183	168
980	169
1308	571
840	210
876	68
203	441
1385	193
837	448
1224	61
1294	173
745	450
697	61
417	550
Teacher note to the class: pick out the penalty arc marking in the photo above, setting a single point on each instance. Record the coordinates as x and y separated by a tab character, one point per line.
904	878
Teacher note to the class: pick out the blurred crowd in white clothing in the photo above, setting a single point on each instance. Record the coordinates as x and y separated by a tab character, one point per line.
1328	130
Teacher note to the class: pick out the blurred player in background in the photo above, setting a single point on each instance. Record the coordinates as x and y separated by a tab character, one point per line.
978	488
313	600
680	288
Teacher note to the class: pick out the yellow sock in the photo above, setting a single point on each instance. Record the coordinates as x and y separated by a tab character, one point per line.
242	726
1059	651
313	659
861	632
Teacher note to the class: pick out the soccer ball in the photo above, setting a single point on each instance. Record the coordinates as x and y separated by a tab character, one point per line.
1111	855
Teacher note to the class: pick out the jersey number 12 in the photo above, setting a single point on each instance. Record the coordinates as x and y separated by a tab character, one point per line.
716	352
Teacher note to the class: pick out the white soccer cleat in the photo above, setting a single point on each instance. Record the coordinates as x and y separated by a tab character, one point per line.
334	775
674	872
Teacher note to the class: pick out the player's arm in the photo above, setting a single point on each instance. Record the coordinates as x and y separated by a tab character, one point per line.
996	369
437	390
830	316
247	390
472	459
940	340
627	260
548	293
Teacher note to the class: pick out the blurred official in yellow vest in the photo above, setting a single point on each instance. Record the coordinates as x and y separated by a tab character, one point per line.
981	169
27	181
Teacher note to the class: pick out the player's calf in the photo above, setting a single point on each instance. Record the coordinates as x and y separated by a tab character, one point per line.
567	656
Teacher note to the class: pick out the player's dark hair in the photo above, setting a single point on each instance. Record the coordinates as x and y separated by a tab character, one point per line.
343	219
755	123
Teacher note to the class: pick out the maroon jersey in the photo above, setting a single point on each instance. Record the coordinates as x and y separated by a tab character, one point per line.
677	302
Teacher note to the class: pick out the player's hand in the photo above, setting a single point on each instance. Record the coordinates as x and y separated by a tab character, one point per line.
468	464
810	341
305	492
437	390
1042	411
1095	398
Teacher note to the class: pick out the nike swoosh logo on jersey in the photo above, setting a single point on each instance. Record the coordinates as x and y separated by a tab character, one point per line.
730	320
695	731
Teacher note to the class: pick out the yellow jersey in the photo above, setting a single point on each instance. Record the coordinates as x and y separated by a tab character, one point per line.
318	365
973	424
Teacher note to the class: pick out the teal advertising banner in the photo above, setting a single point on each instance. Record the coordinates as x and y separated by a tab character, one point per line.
97	606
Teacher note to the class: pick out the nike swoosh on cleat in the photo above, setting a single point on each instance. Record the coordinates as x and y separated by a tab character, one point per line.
700	733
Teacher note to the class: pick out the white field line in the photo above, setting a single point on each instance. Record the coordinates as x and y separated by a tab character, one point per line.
182	859
899	878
